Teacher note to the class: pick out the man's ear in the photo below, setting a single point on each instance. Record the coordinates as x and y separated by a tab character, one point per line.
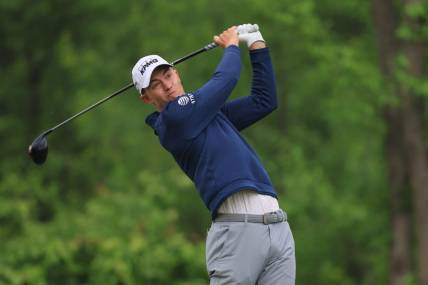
145	98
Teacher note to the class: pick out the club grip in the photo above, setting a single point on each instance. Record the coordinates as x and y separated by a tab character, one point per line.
210	46
254	28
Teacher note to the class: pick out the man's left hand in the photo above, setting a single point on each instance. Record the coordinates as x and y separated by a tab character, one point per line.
227	38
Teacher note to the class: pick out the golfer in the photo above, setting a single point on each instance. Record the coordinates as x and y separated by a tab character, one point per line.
249	241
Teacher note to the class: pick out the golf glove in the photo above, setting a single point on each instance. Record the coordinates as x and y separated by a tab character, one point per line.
247	28
247	34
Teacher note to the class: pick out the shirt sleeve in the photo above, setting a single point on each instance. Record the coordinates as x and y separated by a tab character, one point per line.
189	114
245	111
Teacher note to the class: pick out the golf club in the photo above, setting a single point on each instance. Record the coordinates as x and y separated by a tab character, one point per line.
38	150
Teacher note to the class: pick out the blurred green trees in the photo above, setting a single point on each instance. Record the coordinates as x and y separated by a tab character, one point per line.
110	206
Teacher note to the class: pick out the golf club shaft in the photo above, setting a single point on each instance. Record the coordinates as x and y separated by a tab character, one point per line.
90	107
205	48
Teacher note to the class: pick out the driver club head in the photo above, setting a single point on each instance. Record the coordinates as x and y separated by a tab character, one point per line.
38	150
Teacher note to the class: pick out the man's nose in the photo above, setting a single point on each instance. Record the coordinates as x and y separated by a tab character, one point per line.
167	84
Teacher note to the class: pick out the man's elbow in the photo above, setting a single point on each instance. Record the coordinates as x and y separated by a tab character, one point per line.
273	104
267	107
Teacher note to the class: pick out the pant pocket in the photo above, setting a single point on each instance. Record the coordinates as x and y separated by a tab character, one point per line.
216	239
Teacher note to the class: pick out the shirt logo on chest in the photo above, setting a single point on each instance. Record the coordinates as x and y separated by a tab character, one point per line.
186	99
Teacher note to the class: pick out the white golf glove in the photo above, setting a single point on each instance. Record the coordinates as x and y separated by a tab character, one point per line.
247	28
249	34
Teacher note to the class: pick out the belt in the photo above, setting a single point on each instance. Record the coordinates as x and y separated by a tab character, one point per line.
268	218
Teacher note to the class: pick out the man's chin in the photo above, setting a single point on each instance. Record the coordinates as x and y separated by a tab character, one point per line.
173	96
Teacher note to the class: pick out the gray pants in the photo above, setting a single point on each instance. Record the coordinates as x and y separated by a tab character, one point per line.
250	253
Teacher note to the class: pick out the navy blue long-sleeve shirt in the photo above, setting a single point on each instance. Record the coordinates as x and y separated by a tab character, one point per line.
202	131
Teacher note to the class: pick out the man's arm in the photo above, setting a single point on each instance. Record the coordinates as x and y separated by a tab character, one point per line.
257	45
188	116
245	111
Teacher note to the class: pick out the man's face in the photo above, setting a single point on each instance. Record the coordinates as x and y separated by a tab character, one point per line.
165	85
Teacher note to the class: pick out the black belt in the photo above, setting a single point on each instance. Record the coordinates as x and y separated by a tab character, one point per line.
268	218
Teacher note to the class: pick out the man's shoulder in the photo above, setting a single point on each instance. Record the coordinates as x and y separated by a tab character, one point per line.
179	108
152	118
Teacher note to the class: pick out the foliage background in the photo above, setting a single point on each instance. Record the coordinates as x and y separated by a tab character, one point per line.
111	207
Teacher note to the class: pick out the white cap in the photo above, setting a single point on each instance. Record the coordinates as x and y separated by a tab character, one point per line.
143	69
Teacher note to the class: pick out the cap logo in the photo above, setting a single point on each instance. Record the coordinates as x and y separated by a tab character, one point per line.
147	64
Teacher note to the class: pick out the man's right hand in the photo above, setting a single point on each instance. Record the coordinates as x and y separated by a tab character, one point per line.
227	38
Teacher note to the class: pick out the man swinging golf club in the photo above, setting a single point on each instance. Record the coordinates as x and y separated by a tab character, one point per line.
250	241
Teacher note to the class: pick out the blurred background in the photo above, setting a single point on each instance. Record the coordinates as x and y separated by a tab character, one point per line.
346	150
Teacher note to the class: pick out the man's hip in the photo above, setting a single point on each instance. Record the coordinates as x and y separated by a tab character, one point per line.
251	249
